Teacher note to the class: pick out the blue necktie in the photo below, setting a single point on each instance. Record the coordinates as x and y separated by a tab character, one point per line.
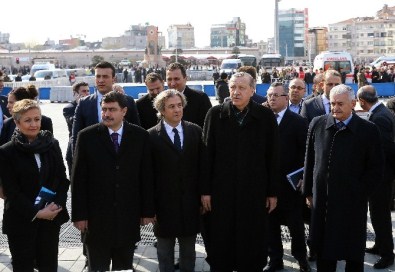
340	125
177	140
114	138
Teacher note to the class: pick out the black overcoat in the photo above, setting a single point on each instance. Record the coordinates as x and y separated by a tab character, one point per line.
177	178
112	190
243	172
342	167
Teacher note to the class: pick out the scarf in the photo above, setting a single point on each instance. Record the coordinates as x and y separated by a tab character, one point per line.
44	146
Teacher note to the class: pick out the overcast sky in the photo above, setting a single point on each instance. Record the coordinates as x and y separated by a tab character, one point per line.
36	21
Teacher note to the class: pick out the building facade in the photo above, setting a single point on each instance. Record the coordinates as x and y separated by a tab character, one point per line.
229	34
366	38
316	42
293	32
181	36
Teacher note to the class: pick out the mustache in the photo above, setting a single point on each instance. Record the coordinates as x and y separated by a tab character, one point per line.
107	119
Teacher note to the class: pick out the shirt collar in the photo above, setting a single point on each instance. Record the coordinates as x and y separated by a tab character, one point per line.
119	131
375	106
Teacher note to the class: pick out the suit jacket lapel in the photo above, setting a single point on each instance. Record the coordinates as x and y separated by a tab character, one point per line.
160	128
105	138
321	104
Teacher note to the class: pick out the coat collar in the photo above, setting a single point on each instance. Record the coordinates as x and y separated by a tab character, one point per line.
352	126
161	131
226	109
106	139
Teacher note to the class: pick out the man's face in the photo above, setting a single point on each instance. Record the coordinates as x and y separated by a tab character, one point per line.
175	80
11	102
83	91
297	91
112	115
173	110
277	99
154	88
240	91
330	82
104	80
341	106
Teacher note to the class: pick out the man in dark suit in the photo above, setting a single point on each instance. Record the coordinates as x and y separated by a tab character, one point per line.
178	159
4	113
112	189
343	165
381	200
297	90
198	102
147	113
88	110
320	105
289	210
80	89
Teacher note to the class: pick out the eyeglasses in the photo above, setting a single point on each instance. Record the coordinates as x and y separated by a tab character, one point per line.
331	84
299	88
270	95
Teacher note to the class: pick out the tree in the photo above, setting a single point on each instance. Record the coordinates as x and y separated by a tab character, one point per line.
178	51
96	59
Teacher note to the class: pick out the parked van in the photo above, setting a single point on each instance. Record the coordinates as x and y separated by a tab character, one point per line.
383	61
230	66
337	61
41	66
50	74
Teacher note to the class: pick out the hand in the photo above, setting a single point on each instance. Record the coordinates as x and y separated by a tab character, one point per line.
118	89
271	203
49	212
147	220
309	202
206	203
81	225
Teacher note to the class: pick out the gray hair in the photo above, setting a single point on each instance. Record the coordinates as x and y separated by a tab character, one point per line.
318	78
160	100
252	82
331	72
343	89
368	93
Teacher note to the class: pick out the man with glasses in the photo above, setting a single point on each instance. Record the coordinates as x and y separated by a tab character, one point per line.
297	90
289	210
320	105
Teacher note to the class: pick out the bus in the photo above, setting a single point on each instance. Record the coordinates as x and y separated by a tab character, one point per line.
270	61
247	60
339	61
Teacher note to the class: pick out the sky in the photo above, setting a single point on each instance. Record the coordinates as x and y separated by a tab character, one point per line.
34	22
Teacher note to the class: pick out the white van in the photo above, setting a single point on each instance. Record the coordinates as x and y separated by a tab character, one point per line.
383	61
41	66
50	74
336	60
230	66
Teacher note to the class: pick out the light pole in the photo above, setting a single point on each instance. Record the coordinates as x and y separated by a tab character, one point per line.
276	28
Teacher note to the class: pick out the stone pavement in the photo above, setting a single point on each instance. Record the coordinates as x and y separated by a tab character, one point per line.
145	260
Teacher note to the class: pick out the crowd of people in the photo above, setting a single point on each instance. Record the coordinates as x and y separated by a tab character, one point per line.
174	160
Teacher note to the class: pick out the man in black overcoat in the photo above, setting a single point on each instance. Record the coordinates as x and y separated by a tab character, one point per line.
147	112
381	200
343	165
289	210
178	170
112	186
242	144
198	102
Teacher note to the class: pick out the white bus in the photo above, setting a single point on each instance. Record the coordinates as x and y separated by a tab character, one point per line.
337	61
270	61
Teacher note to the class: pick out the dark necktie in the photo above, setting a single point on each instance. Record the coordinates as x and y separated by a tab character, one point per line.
177	140
114	138
340	125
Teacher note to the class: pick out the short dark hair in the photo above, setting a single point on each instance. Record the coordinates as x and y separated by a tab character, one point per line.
106	64
78	85
248	69
176	65
368	93
152	77
224	75
21	93
115	96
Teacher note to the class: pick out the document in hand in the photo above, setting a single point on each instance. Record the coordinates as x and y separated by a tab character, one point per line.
294	177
